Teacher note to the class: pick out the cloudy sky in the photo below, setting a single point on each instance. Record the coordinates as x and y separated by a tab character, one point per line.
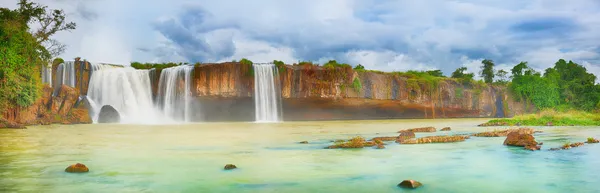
380	34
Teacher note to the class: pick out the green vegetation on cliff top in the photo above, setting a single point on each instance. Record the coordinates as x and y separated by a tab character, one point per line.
551	117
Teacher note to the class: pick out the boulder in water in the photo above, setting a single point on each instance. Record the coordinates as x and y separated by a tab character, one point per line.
446	129
230	167
404	135
411	184
420	129
108	114
77	168
520	139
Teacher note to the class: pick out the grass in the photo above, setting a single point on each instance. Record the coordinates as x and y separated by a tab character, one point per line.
556	118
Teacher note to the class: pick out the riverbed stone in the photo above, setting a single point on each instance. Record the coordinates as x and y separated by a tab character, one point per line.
77	168
108	114
304	142
520	139
230	167
446	129
404	135
420	129
410	184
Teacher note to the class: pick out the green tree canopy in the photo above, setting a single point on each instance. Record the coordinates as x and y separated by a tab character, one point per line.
23	52
487	70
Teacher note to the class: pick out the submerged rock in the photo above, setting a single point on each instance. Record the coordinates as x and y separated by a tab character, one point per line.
404	135
303	142
502	133
533	147
420	129
380	146
356	142
520	139
436	139
108	114
384	138
77	168
576	144
488	124
411	184
446	129
229	167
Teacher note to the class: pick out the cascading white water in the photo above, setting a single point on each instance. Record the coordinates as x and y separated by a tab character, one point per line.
174	92
267	93
65	74
127	90
47	74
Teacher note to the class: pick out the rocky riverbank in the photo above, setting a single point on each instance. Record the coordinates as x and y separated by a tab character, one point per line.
60	109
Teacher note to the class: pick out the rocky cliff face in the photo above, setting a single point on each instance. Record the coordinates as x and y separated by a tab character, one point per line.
224	91
48	109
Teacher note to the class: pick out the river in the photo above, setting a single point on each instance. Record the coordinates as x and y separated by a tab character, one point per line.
190	158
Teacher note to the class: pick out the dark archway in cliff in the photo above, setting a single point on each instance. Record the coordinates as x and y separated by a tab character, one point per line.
499	106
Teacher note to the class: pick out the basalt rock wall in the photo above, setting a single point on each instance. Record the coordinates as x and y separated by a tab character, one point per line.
224	92
48	109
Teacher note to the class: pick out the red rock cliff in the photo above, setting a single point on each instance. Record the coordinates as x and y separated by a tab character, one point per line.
48	109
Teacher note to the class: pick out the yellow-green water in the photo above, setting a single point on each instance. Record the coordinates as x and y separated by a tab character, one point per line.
190	158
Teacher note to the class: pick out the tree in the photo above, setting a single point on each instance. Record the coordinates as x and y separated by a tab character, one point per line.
436	73
359	67
487	70
278	62
501	76
23	52
460	74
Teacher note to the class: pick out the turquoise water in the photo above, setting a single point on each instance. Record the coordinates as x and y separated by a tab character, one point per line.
190	158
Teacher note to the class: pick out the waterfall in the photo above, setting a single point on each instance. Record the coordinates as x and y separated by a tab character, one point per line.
174	95
267	93
65	74
47	74
127	90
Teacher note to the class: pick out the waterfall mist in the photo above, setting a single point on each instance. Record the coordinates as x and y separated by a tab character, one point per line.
174	95
127	90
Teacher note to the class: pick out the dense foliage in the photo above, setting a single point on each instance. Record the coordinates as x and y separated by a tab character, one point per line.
138	65
23	52
487	71
567	85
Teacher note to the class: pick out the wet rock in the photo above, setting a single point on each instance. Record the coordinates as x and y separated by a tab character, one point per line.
229	167
77	168
411	184
304	142
446	129
541	143
420	129
554	149
404	135
533	147
8	124
356	142
384	138
520	139
436	139
592	140
489	124
380	146
108	114
576	144
502	133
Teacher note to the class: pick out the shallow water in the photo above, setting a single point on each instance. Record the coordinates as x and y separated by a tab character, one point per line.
190	158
